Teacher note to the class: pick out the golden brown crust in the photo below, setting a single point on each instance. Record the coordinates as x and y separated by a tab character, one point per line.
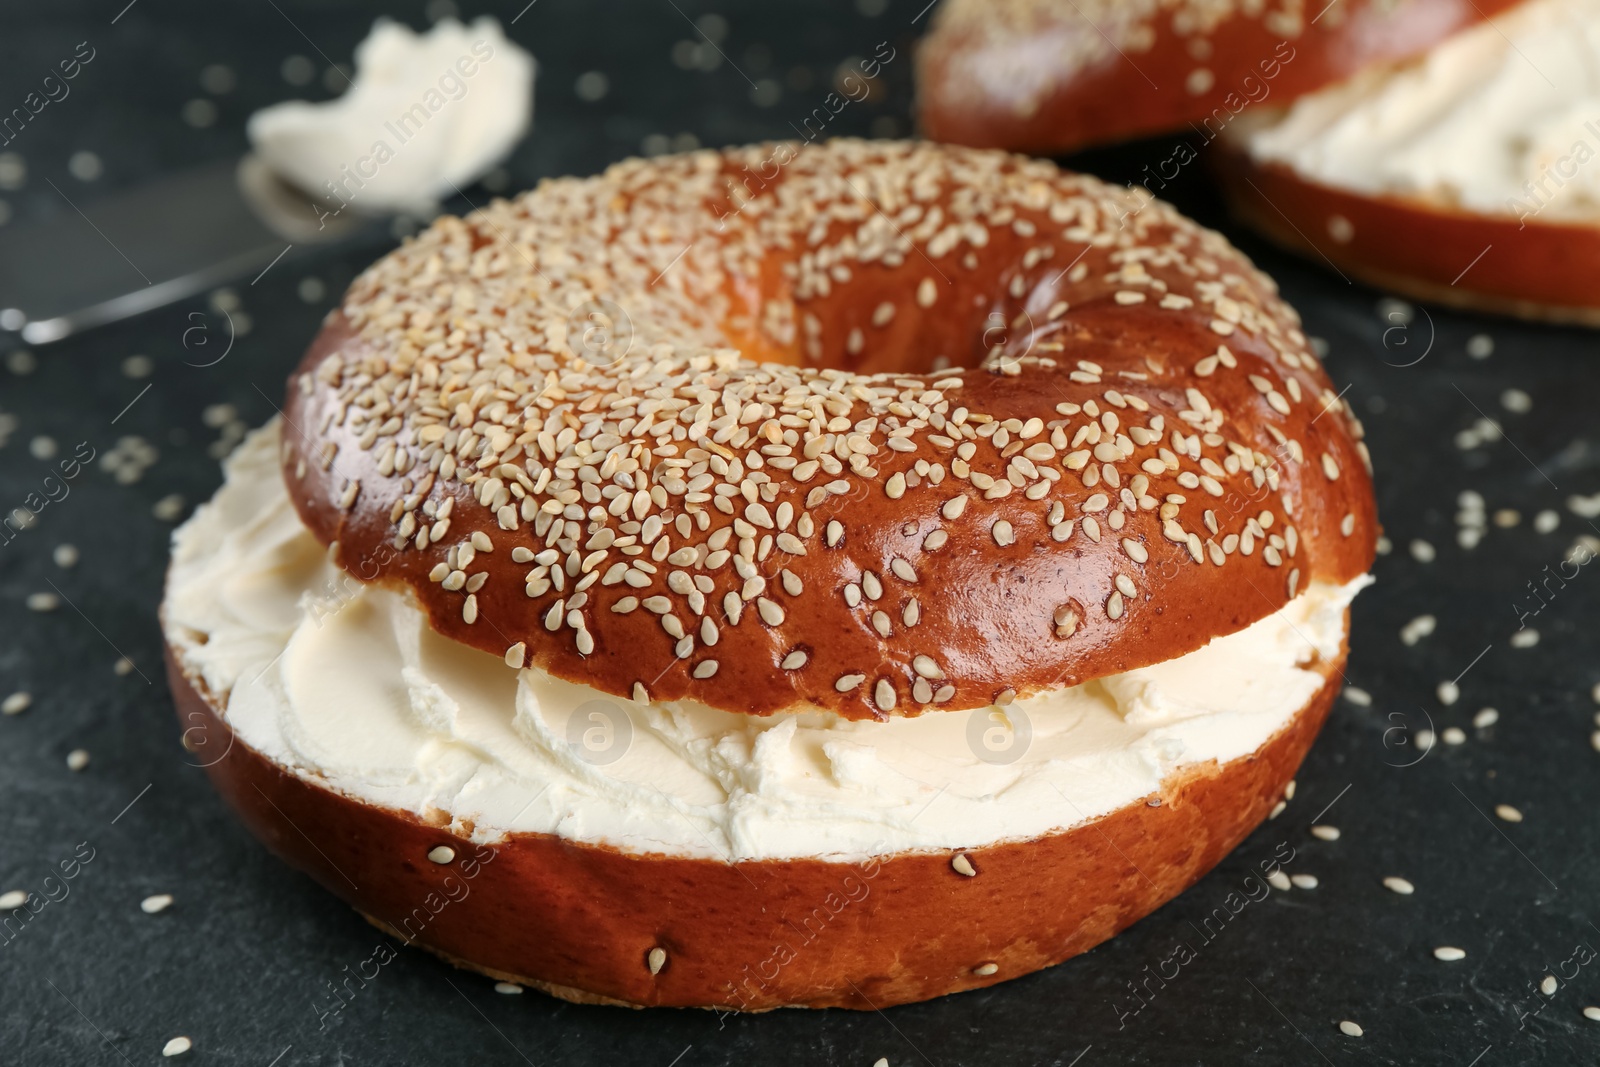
1055	75
581	921
1147	458
1542	269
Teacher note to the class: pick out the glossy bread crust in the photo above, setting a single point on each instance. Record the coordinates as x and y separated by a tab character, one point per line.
1541	269
1053	76
582	921
1145	455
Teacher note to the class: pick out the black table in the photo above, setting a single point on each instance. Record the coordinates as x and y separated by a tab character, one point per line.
238	961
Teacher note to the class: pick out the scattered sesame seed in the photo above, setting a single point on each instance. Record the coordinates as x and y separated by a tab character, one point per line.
1399	885
1508	813
963	865
1417	629
169	508
1525	638
508	988
1279	881
656	960
1449	953
1549	986
77	759
1425	740
1480	346
1422	551
1304	881
1453	735
12	900
1448	693
176	1047
1325	833
1516	401
156	904
1349	1029
1592	1014
65	556
1486	718
1358	696
43	602
1277	809
16	703
441	854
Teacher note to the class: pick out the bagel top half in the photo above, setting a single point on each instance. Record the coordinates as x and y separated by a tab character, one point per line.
1059	75
879	428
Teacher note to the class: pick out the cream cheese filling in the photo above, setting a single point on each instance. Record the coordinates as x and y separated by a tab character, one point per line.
346	684
1502	118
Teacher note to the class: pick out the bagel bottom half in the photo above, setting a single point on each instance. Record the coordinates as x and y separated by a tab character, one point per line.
582	921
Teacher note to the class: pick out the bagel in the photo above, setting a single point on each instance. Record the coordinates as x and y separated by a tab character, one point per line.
1463	177
746	547
1054	76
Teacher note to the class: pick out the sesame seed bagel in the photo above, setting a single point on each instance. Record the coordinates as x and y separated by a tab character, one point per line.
1058	75
876	428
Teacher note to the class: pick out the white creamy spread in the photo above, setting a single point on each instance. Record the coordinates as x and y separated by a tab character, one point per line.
1502	118
424	115
346	683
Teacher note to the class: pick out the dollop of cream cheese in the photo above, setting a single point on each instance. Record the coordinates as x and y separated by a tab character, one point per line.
1502	118
424	115
346	684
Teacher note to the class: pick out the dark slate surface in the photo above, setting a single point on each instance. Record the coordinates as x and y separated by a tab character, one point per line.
239	960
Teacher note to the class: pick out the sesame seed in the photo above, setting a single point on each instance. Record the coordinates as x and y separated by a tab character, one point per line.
794	661
43	602
1399	885
883	695
1449	953
441	854
1549	985
16	704
1453	735
1357	696
507	988
1508	813
848	682
963	865
1592	1014
1279	881
656	959
984	970
1325	833
155	904
1448	693
77	759
1003	534
516	655
13	899
65	556
1303	881
1350	1029
705	668
176	1047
